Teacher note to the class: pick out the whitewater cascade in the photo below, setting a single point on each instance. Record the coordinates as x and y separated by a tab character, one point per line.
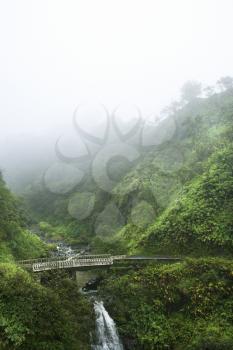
106	333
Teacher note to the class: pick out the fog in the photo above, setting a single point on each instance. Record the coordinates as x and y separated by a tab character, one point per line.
58	54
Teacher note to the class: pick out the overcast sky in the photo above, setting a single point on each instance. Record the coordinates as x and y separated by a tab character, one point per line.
58	53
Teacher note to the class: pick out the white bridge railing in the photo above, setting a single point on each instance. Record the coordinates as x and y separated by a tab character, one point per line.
80	261
66	264
45	264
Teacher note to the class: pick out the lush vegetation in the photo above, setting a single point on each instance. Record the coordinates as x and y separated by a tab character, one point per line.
176	199
16	241
201	218
51	316
48	316
192	200
188	305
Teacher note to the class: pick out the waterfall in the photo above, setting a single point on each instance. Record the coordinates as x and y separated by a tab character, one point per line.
106	333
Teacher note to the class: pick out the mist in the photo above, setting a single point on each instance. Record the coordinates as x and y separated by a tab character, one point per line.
56	55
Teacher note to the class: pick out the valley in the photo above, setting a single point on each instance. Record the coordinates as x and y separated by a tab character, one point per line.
174	201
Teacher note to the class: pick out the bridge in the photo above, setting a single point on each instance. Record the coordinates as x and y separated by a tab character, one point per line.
85	261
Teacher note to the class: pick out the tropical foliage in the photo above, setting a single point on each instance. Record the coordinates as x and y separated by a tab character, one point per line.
187	305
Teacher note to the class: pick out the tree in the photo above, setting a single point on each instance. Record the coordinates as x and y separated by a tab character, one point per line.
209	91
173	108
190	91
225	83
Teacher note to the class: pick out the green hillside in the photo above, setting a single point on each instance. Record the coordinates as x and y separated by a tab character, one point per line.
177	197
16	241
193	200
187	305
48	316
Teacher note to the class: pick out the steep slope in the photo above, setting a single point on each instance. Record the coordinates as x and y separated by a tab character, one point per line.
157	205
51	315
192	201
200	220
15	240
